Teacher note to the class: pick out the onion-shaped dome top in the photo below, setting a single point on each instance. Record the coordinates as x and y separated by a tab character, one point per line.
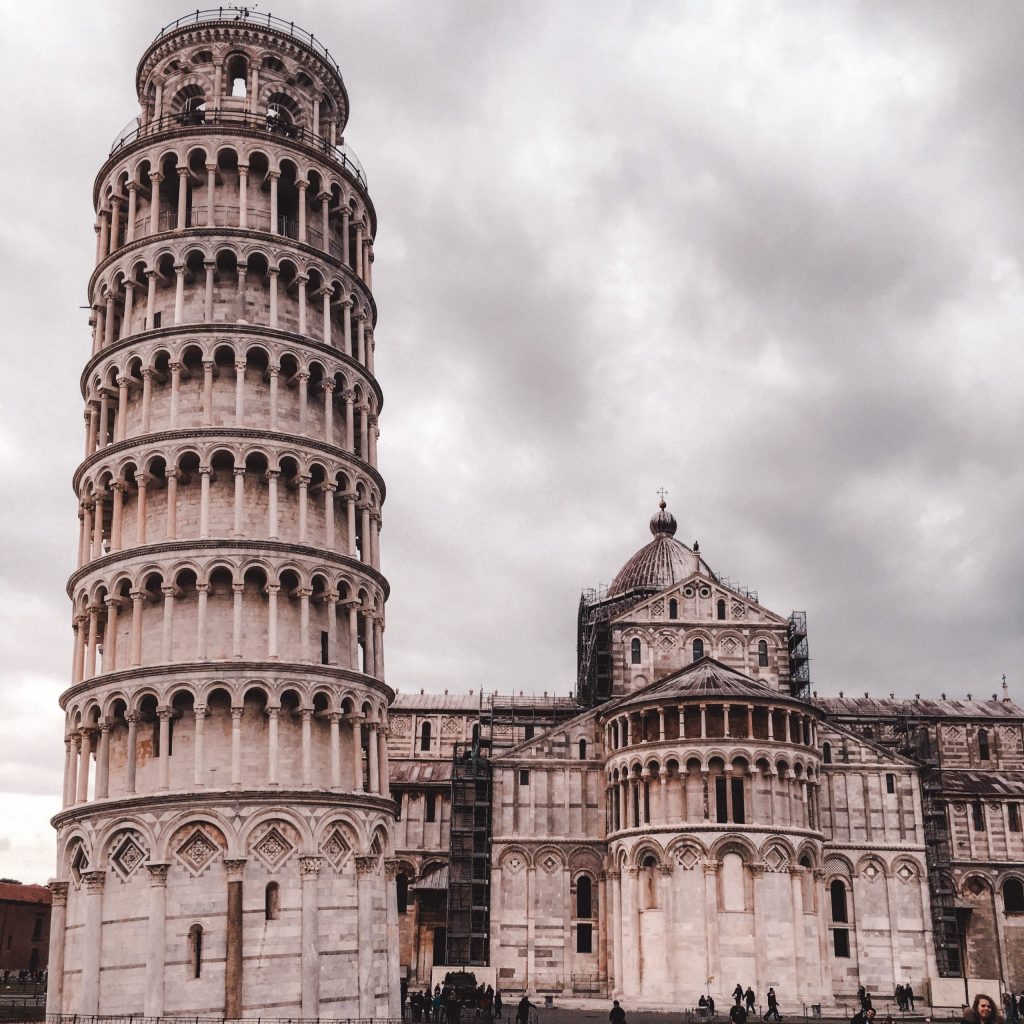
662	562
707	680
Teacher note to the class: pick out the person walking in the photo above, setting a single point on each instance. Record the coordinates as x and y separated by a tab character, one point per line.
773	1006
901	998
737	993
617	1015
497	1004
908	996
711	1006
750	999
523	1010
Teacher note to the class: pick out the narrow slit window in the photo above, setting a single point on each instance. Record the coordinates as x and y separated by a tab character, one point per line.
271	901
890	782
195	951
634	652
430	808
762	653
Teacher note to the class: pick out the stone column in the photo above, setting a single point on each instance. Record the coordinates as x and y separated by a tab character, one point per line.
303	382
310	869
179	293
182	199
329	539
73	745
147	398
272	525
357	752
168	625
303	482
631	932
391	872
204	502
103	762
824	968
155	177
175	391
302	186
233	950
129	304
666	900
237	590
797	901
302	280
92	936
156	941
133	754
240	393
346	326
207	392
385	766
55	961
164	715
328	386
115	223
366	874
272	592
335	720
272	745
274	272
236	746
345	215
760	965
210	267
211	182
84	755
307	747
711	915
371	747
133	202
602	932
199	753
243	195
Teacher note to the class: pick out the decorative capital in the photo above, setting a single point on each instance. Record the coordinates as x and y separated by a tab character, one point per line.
711	867
392	868
58	893
819	874
236	714
158	873
665	869
757	868
366	866
235	866
94	880
309	867
633	872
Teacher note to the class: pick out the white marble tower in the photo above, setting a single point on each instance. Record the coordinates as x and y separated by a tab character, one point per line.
224	846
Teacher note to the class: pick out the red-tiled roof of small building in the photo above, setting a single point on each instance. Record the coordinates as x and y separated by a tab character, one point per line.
14	893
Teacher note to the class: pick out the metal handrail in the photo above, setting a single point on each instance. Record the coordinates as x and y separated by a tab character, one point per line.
342	155
256	18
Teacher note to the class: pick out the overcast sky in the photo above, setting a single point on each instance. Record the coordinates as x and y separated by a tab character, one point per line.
766	256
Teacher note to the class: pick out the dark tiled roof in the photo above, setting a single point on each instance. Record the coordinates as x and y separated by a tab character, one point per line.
15	893
983	784
412	772
707	679
893	707
467	703
658	565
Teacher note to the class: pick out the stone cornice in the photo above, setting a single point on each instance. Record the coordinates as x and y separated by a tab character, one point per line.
871	847
221	433
229	544
725	827
246	234
281	670
262	798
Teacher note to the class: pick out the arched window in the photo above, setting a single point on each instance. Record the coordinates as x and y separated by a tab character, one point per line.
698	649
425	736
584	897
402	885
1013	896
634	652
649	884
721	608
762	653
238	75
270	901
826	752
195	951
583	750
840	914
673	609
983	754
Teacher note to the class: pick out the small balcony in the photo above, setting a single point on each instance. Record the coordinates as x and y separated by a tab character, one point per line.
205	120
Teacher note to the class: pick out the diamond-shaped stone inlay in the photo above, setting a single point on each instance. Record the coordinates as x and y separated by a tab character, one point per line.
197	851
776	860
729	645
687	859
79	863
128	856
666	643
870	872
549	864
514	863
335	848
272	848
905	872
658	608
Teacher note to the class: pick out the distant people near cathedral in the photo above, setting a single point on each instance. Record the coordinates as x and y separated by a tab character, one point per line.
772	1013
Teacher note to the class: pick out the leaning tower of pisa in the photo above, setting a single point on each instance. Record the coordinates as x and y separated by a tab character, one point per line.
224	842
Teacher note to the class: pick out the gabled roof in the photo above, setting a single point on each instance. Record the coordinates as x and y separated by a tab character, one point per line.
895	707
704	679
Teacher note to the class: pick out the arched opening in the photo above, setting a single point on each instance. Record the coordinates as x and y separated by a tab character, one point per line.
584	897
402	885
721	608
634	651
826	752
583	750
762	653
271	901
983	751
195	951
1013	896
238	75
840	913
673	609
649	883
698	649
425	736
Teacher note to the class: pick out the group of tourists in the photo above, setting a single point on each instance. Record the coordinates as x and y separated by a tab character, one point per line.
446	1006
1013	1007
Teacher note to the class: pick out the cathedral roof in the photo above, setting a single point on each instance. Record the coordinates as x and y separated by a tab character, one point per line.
706	679
660	563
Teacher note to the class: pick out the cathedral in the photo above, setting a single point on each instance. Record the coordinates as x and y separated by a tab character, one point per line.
696	818
254	824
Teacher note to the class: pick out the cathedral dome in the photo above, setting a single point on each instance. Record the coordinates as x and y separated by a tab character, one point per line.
661	563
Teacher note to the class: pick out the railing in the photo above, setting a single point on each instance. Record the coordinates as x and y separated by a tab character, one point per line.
133	131
138	1018
256	18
